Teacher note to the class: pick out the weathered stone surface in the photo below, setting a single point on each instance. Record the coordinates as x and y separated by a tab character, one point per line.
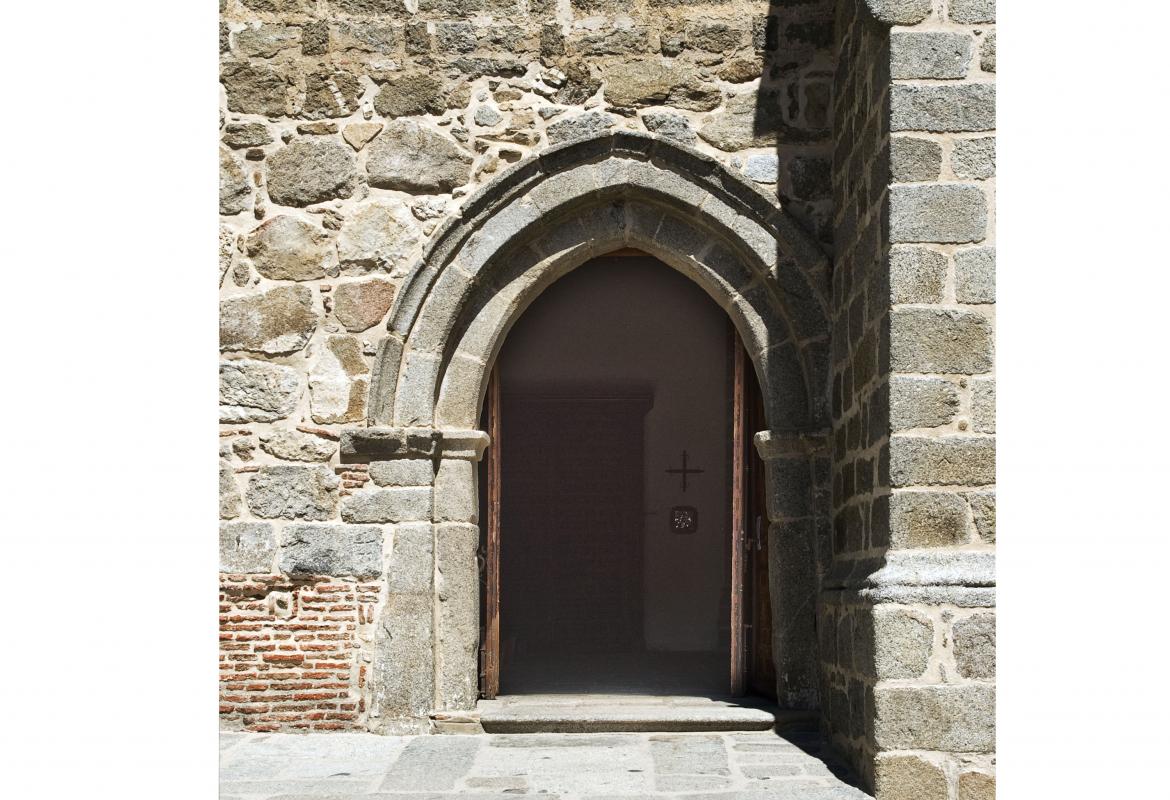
763	168
332	550
379	236
246	134
411	94
811	177
234	189
987	53
971	12
246	547
929	54
227	248
286	248
921	402
938	213
947	460
983	509
975	275
949	718
331	94
310	171
669	126
902	641
581	126
740	70
927	519
266	41
229	493
735	127
456	495
366	37
958	107
976	786
413	158
917	275
974	158
339	382
398	504
315	38
297	446
580	84
293	492
939	340
914	159
254	88
488	117
256	391
899	12
905	777
359	305
280	320
457	587
974	645
359	134
983	405
714	37
403	472
637	84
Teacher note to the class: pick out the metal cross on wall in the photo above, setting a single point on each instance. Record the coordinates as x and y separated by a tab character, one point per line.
684	471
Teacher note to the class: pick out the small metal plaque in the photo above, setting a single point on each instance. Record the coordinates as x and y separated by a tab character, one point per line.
684	519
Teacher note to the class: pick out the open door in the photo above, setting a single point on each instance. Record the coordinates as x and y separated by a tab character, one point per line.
761	670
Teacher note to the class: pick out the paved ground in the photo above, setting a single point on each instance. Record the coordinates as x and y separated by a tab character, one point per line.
552	766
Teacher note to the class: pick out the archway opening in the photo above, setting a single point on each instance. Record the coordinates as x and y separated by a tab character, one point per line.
617	487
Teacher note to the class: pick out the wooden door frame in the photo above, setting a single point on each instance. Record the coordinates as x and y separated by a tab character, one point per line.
491	644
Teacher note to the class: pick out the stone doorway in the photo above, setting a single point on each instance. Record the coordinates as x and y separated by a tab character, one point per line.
615	553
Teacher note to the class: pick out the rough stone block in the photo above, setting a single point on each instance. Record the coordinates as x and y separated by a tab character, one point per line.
229	492
418	159
256	391
946	108
972	12
403	472
939	340
929	54
921	402
983	509
914	159
975	275
669	126
957	719
907	777
286	248
976	786
331	550
246	547
380	236
947	460
277	321
974	646
234	189
938	213
983	405
899	12
340	381
456	491
293	492
974	158
902	642
917	275
412	559
311	171
987	53
297	446
388	505
579	127
927	519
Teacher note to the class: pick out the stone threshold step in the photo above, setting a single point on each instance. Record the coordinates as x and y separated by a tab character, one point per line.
629	714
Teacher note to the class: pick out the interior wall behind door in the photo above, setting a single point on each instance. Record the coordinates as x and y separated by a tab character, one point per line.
633	322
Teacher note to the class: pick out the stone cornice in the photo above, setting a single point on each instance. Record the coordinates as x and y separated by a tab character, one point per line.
385	443
915	568
789	444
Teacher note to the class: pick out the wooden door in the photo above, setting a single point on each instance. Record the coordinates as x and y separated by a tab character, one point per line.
761	669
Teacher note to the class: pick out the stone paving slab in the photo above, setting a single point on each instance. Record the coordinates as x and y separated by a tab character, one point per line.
552	766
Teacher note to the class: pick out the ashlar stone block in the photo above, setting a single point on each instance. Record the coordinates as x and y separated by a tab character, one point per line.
929	54
246	547
946	460
914	159
917	275
945	213
902	642
974	646
403	472
398	504
293	492
945	108
908	777
922	402
939	340
957	719
331	550
975	275
927	519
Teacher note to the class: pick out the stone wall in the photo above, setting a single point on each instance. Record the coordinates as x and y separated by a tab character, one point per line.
906	622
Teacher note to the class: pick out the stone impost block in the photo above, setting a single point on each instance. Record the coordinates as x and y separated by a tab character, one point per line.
939	340
246	547
917	275
947	108
399	504
385	443
921	402
938	213
456	491
974	646
914	159
929	54
945	460
403	472
457	584
412	559
293	492
908	777
957	719
331	550
927	519
975	275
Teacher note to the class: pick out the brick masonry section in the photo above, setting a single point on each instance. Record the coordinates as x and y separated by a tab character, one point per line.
291	652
